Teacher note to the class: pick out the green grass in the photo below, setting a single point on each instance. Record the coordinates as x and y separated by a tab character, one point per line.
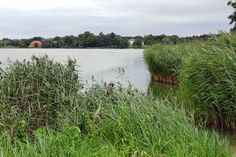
208	82
112	122
102	121
206	72
167	59
34	91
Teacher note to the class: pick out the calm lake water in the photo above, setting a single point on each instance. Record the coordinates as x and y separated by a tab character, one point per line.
102	64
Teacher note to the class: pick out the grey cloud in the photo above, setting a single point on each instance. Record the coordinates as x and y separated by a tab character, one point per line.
133	17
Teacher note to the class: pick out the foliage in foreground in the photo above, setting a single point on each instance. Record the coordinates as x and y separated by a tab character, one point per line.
103	121
115	122
208	82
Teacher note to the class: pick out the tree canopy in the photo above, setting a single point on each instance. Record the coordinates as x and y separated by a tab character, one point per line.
232	17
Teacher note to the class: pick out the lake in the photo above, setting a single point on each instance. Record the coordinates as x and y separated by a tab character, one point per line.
110	65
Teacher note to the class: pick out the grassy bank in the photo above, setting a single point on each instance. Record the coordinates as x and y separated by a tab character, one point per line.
105	120
206	74
167	59
208	80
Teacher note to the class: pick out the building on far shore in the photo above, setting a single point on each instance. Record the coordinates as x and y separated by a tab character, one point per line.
35	44
131	41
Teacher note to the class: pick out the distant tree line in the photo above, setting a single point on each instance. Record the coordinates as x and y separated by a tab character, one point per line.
140	41
90	40
85	40
173	39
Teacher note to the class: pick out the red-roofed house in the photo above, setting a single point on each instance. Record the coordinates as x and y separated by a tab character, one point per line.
36	44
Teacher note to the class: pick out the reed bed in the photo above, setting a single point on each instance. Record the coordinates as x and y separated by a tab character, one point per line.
112	121
32	92
208	82
104	120
164	61
206	73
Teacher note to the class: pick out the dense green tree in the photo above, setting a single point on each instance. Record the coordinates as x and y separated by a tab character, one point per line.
24	43
122	42
87	40
37	38
232	17
149	39
15	42
48	43
6	43
174	39
58	42
102	40
112	40
138	42
70	41
159	38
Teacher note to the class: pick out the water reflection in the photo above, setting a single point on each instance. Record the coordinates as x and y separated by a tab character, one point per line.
162	90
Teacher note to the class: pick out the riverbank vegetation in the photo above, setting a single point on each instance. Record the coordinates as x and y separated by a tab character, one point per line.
164	61
35	91
206	74
208	79
44	113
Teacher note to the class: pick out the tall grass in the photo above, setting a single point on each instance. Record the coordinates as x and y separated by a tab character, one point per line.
206	72
34	91
208	82
105	120
167	59
111	121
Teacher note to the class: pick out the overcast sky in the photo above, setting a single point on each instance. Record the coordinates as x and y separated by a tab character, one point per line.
49	18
